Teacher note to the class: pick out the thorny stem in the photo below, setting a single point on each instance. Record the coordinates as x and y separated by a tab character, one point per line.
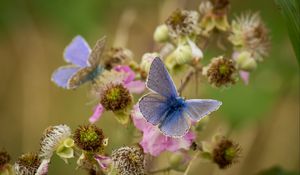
161	170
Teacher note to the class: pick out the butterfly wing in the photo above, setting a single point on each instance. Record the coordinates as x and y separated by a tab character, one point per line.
62	75
198	108
83	75
94	58
175	124
153	107
77	52
160	81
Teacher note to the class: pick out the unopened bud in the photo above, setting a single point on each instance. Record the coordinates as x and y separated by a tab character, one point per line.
161	33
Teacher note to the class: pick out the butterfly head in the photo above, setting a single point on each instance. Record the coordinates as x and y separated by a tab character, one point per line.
178	103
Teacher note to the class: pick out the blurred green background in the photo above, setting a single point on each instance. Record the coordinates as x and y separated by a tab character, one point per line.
263	116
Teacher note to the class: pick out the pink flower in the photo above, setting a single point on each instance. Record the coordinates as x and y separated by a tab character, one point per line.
134	86
97	113
103	161
245	76
153	141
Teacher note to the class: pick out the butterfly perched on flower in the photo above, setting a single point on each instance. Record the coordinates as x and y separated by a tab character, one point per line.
85	63
163	107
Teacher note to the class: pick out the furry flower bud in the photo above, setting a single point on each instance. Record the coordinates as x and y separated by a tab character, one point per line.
220	72
117	56
128	161
31	164
56	139
116	97
221	151
90	138
5	167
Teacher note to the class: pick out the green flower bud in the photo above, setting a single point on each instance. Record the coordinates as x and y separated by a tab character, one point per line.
246	62
183	54
161	33
178	161
221	23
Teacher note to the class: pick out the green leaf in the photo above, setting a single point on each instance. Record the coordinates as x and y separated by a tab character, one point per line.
291	14
276	170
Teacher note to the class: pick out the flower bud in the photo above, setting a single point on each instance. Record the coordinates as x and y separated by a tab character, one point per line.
245	61
56	139
226	153
221	151
117	56
183	54
128	161
90	138
179	161
147	61
5	167
116	98
4	158
221	72
31	164
161	33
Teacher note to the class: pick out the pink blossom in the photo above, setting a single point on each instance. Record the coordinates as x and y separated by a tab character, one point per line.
134	86
153	141
97	113
103	161
245	76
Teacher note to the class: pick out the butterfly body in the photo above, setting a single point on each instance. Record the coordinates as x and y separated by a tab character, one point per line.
95	73
85	64
163	107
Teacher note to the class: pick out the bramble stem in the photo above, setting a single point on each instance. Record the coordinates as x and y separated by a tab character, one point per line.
188	77
191	162
161	170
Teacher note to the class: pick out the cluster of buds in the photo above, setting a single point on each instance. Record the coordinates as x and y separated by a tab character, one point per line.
188	31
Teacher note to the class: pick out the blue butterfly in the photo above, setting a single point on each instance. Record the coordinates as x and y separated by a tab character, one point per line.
163	107
85	63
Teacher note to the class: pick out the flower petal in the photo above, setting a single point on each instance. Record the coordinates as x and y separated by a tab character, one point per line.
126	69
136	86
196	51
245	76
97	113
103	161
